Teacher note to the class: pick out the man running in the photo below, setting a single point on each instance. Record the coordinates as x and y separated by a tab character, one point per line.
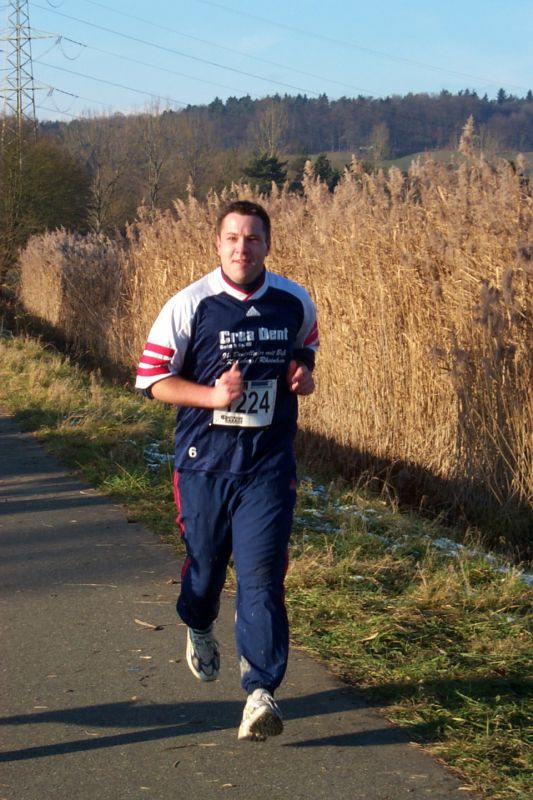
234	350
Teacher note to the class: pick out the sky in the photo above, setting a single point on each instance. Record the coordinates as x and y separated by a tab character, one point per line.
94	57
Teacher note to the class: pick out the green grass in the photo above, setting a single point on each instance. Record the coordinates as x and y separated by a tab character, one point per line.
436	634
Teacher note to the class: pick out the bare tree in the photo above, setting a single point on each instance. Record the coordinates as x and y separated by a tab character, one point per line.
152	142
195	144
102	142
379	142
268	128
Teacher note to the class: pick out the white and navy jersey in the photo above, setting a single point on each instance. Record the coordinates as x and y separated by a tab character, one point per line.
205	328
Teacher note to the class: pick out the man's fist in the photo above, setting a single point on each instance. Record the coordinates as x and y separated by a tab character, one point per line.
228	387
300	378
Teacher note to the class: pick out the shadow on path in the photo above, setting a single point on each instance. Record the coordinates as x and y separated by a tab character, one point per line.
158	722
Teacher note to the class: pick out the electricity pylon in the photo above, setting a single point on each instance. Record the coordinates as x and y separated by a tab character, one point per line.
19	93
18	121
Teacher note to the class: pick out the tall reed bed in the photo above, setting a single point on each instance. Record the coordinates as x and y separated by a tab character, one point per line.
423	287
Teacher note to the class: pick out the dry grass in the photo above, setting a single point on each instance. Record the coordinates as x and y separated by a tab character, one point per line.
423	287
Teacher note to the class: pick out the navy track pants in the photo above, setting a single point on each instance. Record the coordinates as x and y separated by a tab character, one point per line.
250	517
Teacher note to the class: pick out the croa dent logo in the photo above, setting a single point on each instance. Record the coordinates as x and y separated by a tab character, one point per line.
231	339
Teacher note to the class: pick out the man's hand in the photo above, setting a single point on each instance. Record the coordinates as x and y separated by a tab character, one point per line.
300	378
228	387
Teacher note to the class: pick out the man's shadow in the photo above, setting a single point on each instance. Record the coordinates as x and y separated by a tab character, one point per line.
139	722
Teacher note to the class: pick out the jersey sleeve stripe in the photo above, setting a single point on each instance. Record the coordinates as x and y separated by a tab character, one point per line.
151	347
153	360
152	372
312	337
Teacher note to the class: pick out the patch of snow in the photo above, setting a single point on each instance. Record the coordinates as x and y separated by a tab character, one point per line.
154	457
448	546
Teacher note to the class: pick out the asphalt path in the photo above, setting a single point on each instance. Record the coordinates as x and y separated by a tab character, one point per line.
97	700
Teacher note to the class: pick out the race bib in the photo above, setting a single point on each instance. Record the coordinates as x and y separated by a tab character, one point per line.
253	409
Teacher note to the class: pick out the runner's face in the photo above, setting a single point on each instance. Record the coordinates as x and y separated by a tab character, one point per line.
242	247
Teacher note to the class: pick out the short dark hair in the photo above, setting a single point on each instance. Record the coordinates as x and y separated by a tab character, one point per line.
246	209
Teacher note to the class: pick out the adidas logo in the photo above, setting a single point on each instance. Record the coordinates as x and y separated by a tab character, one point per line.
253	312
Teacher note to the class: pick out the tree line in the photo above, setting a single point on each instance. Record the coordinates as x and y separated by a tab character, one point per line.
95	172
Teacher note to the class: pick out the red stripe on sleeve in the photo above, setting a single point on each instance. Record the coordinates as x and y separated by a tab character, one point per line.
312	337
152	360
158	348
151	372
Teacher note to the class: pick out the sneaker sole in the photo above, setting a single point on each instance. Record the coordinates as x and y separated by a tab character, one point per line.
261	726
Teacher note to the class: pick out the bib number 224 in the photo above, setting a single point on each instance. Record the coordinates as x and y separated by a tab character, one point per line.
253	409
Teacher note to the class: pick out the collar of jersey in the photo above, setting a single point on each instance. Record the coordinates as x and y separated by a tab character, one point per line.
242	294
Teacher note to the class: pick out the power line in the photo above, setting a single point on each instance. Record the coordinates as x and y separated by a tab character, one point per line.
112	83
135	61
354	46
162	48
57	111
224	47
53	89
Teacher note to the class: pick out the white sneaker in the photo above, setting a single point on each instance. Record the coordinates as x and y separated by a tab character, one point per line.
261	717
203	657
